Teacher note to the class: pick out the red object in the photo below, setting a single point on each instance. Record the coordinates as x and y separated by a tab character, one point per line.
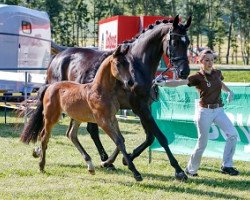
117	29
114	30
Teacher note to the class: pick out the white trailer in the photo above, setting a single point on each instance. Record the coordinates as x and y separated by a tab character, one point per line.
25	43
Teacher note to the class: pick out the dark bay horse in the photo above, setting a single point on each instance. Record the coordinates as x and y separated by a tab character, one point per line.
81	64
94	102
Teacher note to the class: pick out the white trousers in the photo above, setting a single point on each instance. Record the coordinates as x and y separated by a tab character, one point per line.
205	119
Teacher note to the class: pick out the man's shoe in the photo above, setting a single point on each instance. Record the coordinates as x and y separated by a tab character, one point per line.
229	170
190	174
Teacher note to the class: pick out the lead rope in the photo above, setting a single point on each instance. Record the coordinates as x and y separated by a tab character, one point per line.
154	91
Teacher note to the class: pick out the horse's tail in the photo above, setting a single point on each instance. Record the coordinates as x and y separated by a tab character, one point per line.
55	48
36	122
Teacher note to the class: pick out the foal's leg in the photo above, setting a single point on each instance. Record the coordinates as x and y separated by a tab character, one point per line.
51	117
72	135
45	135
111	159
151	129
92	128
112	129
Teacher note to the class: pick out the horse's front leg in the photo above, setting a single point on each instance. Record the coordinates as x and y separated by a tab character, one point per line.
111	159
151	130
72	135
112	129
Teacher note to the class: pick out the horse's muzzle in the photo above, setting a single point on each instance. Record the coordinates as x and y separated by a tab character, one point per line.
183	71
183	75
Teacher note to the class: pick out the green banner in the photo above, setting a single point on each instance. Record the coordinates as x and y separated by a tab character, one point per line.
175	114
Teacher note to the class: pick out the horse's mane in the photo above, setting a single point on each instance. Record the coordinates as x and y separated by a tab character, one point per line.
150	27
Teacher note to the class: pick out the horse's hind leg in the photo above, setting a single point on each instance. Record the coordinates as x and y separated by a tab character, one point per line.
51	117
45	135
72	135
92	128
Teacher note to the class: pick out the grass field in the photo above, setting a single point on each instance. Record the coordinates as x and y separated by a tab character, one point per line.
234	76
66	175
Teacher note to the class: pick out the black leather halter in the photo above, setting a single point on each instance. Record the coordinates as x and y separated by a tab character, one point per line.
170	51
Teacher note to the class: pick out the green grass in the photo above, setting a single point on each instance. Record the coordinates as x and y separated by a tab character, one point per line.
234	76
239	76
66	175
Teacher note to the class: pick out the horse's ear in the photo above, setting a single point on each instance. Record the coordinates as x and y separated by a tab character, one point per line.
176	21
117	51
126	50
188	22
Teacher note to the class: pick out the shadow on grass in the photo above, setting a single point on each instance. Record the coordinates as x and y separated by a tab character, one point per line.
180	188
242	173
223	183
191	191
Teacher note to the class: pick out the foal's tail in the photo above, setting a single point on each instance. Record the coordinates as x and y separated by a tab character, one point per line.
35	124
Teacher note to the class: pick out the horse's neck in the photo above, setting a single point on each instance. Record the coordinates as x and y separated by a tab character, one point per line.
148	49
103	77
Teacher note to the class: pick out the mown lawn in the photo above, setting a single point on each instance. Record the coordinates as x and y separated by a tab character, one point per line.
66	175
234	76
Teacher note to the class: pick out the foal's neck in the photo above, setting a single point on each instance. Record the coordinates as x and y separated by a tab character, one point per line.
104	77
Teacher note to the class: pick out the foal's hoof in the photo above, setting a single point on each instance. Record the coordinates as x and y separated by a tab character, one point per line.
138	177
36	152
181	176
92	172
107	166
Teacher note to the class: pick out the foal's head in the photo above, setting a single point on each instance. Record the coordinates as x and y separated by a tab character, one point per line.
120	67
176	46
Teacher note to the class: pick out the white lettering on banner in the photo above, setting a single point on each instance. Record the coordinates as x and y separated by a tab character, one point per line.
248	121
236	120
111	41
247	148
239	122
214	134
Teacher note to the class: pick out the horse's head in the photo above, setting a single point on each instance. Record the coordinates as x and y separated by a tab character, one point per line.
176	47
120	67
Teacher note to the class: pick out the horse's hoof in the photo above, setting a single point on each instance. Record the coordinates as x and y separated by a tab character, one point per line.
181	176
36	152
109	167
92	172
138	177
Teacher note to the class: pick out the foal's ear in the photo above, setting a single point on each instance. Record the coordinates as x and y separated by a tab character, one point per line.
117	51
188	22
176	21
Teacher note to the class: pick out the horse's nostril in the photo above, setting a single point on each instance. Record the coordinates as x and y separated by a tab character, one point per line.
130	82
